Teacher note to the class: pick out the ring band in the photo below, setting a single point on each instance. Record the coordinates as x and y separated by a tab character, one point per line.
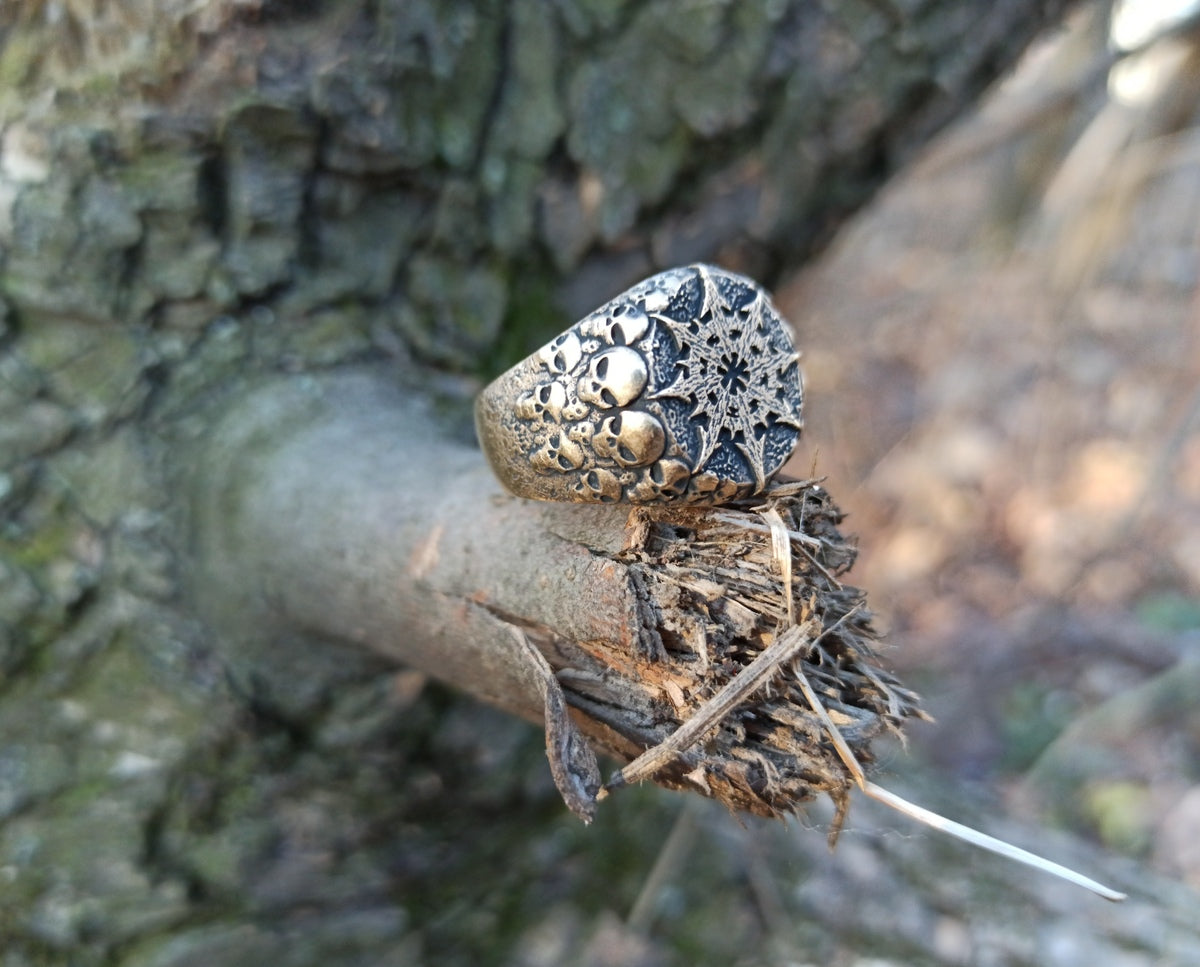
685	387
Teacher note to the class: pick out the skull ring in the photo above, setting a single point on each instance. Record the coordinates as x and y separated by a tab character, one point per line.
685	387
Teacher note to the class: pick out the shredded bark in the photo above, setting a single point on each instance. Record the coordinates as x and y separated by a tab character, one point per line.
745	607
572	762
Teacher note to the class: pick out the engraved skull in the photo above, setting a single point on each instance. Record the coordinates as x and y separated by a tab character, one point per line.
670	477
665	479
707	487
581	432
600	485
575	411
544	403
557	455
622	327
615	377
562	354
632	439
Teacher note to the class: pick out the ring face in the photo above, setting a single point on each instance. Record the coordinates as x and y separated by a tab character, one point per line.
685	387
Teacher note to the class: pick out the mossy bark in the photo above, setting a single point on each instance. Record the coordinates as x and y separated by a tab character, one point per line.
195	197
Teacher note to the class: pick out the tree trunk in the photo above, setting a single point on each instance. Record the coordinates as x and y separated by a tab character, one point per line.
207	751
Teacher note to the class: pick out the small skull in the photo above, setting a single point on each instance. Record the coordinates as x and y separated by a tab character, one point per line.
600	485
575	411
562	354
656	300
632	439
666	479
708	488
622	327
581	433
544	403
557	455
670	477
615	377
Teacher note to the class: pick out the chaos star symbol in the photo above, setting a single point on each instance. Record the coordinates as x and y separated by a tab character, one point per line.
733	370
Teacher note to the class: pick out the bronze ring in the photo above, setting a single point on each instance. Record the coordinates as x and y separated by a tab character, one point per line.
685	387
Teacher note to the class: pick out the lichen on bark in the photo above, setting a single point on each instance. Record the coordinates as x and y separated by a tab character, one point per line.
196	196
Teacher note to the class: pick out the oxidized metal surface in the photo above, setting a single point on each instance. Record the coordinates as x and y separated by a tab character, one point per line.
685	387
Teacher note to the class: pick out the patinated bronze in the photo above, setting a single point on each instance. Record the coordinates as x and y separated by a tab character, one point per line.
685	387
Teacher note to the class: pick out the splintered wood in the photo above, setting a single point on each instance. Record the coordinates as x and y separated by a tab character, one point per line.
743	609
756	666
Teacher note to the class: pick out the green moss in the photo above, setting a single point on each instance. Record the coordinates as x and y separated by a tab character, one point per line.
584	18
530	118
30	429
460	104
454	309
21	51
1122	813
512	209
105	478
162	180
103	382
1169	611
532	319
33	550
1034	716
328	336
157	726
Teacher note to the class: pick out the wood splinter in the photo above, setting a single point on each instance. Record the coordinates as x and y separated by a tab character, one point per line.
749	680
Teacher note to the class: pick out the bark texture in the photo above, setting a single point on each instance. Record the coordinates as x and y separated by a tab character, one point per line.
195	196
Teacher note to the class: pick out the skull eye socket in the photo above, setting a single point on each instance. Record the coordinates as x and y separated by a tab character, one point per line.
555	442
619	336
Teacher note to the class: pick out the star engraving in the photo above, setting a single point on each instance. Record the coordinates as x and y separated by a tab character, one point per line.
734	373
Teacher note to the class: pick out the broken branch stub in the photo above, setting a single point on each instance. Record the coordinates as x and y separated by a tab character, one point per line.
785	693
724	629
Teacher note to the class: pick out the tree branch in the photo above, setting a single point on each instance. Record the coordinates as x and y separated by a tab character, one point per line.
334	508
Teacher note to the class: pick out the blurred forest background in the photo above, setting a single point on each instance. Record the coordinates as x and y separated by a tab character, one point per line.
1002	362
1003	358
